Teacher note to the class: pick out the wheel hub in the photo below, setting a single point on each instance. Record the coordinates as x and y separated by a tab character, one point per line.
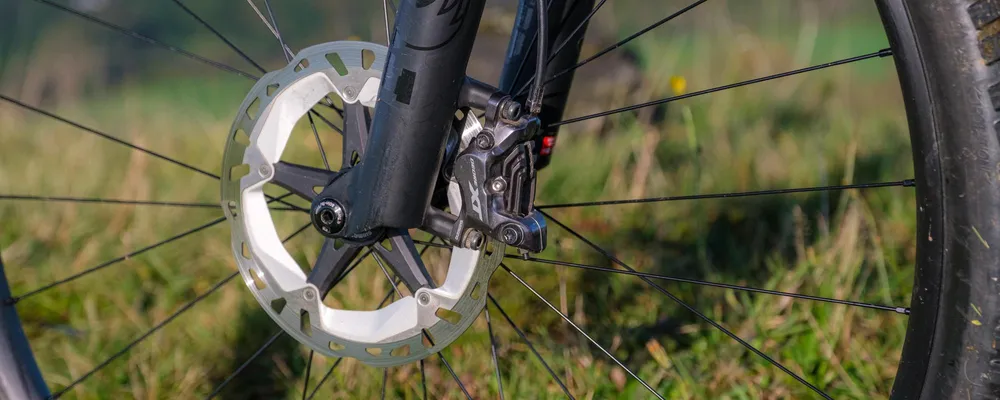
408	329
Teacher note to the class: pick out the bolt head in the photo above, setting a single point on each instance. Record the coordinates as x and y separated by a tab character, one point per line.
484	141
498	185
349	91
309	294
474	240
510	235
424	299
511	110
329	217
264	170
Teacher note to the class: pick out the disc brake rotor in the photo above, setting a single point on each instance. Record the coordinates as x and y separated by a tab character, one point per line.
408	329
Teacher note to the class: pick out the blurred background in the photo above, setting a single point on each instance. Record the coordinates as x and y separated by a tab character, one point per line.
836	126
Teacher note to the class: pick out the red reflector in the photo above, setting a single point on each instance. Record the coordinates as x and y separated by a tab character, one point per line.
548	142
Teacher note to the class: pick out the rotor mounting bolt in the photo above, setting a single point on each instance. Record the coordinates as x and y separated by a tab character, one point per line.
484	141
309	294
511	110
474	240
264	170
498	185
349	91
424	299
329	216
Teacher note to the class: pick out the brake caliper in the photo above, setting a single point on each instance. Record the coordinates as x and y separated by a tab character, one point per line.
496	178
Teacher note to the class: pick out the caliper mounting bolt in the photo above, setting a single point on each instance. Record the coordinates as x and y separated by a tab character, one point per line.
484	141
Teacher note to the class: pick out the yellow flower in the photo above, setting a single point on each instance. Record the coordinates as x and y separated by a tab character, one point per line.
678	84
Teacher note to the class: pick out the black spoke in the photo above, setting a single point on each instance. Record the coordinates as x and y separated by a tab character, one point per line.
115	261
576	31
220	36
245	364
881	307
493	351
385	380
902	183
357	261
531	346
107	136
326	376
277	31
877	54
388	277
453	375
142	337
262	348
581	331
687	306
423	379
21	197
305	384
149	40
326	121
621	43
319	143
330	372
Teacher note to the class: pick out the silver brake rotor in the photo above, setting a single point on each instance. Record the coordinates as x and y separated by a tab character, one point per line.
389	336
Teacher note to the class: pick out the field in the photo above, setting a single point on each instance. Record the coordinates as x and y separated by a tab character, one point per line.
836	126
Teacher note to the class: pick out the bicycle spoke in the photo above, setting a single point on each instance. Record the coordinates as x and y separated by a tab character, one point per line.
385	14
455	376
531	346
147	39
106	201
388	277
285	50
326	121
325	377
687	306
20	197
219	35
493	351
877	54
902	183
305	384
114	261
277	31
246	363
106	136
142	337
577	30
423	379
581	331
621	43
385	380
319	143
880	307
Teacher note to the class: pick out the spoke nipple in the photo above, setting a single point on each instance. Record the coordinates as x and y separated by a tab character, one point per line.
10	301
885	52
903	310
909	183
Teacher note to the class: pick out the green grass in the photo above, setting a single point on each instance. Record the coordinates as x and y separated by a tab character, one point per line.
837	126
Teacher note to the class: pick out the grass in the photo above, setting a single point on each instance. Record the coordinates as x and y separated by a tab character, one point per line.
836	126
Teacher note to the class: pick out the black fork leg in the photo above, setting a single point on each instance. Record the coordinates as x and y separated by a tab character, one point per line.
423	75
563	16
